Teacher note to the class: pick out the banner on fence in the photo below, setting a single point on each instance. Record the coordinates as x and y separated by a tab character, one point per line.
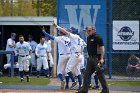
126	35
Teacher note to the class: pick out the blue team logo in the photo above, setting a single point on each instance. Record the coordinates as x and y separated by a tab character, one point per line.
125	33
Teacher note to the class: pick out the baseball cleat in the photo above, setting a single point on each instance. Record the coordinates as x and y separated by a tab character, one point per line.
90	86
46	76
21	79
73	85
66	87
104	91
37	76
96	87
62	84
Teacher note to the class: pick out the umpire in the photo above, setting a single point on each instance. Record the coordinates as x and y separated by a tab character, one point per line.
95	47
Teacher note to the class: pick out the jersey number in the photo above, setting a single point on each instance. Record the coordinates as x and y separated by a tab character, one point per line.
67	43
78	41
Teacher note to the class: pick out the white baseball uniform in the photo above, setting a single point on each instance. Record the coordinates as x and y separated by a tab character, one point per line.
76	49
82	66
48	43
33	45
64	46
41	53
23	49
8	48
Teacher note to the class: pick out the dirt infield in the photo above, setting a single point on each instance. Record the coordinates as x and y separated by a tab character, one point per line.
54	91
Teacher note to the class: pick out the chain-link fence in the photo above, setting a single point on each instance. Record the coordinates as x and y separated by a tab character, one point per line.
120	68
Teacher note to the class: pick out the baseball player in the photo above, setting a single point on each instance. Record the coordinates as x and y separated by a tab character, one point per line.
41	52
75	58
23	51
50	59
64	55
82	64
33	45
10	46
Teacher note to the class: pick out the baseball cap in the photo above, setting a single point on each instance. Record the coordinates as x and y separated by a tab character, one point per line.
13	34
74	30
30	36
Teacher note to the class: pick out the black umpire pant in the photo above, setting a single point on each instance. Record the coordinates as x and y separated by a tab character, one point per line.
92	63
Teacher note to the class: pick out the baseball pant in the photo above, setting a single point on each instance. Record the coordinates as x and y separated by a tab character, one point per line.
33	60
42	61
73	62
51	60
90	68
23	63
9	65
82	63
8	58
63	59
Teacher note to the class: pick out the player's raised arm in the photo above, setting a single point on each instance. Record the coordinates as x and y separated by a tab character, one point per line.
47	35
61	29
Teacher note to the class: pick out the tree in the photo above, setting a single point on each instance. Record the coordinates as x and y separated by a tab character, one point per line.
47	7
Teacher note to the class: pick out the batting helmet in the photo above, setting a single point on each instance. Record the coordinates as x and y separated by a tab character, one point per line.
74	30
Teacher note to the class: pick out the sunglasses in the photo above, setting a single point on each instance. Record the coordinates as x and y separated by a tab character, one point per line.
89	30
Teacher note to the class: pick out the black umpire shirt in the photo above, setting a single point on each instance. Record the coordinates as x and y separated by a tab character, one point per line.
93	43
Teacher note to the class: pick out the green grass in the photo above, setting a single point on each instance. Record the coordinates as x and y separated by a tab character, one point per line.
16	81
124	83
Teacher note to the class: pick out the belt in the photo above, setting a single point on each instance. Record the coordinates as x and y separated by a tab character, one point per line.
42	56
23	55
78	52
65	54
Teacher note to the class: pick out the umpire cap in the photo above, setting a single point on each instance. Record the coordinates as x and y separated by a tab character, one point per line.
13	34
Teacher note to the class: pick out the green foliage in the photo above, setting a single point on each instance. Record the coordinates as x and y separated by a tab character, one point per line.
48	7
27	7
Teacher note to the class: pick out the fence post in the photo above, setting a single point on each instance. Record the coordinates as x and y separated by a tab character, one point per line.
110	43
12	64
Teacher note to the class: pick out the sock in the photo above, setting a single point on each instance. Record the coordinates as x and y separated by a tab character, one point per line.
60	77
17	71
96	80
50	70
90	81
79	80
27	73
38	73
21	74
67	80
46	72
30	67
71	76
82	71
